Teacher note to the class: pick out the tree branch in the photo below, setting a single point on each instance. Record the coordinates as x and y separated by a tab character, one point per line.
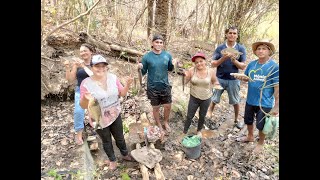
70	21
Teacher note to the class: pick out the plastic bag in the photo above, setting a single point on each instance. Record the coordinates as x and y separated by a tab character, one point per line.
271	126
191	141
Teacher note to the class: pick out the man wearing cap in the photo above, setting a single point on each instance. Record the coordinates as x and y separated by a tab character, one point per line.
227	63
157	63
263	90
106	88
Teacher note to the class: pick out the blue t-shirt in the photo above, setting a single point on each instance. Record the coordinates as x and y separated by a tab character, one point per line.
258	73
157	67
227	67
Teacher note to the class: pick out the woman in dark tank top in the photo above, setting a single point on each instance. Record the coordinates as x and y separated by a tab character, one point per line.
79	70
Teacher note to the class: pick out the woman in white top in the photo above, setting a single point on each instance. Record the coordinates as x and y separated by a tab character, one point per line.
106	88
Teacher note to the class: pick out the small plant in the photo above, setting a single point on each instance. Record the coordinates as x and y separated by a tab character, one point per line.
53	173
125	176
125	129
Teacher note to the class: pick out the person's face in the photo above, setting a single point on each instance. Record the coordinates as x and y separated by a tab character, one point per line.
200	63
232	35
85	53
99	69
157	44
262	51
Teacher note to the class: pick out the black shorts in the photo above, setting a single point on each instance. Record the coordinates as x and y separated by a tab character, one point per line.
158	97
252	112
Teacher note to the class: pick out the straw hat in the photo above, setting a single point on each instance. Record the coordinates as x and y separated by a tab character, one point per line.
266	43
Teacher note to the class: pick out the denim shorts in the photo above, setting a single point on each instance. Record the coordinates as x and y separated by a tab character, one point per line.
158	97
233	89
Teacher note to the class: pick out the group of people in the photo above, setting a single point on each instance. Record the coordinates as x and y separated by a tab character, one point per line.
262	97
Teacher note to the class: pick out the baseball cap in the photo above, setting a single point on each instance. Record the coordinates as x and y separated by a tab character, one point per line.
156	37
198	54
98	59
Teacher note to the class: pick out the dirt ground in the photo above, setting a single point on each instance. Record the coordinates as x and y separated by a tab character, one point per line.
221	156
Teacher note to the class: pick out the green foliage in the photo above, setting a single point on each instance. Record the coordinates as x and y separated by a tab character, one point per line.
125	176
125	128
53	173
187	65
134	91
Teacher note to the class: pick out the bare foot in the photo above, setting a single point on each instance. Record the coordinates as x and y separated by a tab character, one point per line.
167	127
112	165
244	139
258	149
127	158
199	134
107	162
78	139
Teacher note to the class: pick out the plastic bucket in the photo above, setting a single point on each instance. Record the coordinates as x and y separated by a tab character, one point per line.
192	152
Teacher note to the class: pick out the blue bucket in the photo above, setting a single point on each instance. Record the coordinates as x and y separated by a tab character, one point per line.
192	152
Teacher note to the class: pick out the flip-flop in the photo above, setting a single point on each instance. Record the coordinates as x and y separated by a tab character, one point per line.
243	139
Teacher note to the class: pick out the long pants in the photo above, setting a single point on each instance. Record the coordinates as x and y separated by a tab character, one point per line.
194	104
116	129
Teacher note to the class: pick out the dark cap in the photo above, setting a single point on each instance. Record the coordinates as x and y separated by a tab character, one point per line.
198	54
156	37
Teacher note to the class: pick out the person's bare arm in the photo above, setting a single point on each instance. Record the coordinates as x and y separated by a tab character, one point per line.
125	89
71	72
275	110
216	63
188	74
240	65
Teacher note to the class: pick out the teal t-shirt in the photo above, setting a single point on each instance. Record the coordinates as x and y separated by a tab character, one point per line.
267	73
157	67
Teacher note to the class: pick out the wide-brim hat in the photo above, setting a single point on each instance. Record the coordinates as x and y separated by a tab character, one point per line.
266	43
198	54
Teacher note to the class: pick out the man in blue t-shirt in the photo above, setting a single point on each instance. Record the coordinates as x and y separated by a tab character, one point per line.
157	63
263	91
227	63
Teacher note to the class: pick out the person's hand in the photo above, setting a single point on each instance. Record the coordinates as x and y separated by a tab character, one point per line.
140	65
66	63
274	111
129	80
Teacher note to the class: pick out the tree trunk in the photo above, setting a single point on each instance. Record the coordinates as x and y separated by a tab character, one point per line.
161	18
150	17
173	13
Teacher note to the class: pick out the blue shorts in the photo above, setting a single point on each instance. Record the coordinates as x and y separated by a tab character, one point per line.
233	89
251	111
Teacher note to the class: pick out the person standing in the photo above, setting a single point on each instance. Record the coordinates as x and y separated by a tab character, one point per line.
106	88
263	91
227	63
79	71
156	63
202	79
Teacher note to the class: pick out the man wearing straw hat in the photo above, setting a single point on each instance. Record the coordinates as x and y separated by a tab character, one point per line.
262	101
